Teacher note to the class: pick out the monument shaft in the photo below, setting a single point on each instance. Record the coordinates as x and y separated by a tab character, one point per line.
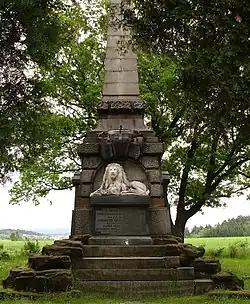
121	137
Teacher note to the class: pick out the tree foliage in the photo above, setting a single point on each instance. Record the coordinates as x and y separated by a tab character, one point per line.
209	42
31	32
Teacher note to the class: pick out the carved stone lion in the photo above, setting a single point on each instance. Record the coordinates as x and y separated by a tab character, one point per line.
115	182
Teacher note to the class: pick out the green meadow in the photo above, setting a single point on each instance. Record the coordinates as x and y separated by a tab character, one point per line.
240	264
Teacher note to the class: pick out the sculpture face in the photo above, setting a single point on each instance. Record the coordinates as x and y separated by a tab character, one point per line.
115	182
113	172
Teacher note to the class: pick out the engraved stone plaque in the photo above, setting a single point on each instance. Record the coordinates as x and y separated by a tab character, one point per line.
120	221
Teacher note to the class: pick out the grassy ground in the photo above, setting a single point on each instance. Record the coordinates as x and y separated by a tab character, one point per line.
241	266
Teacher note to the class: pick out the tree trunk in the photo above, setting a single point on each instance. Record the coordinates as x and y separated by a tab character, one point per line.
180	223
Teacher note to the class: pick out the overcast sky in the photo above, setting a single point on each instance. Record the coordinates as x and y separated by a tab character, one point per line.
58	215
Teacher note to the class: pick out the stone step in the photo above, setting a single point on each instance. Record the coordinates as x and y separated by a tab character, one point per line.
157	274
126	262
168	288
202	286
131	250
120	240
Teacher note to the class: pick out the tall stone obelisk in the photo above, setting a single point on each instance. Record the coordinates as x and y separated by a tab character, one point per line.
121	136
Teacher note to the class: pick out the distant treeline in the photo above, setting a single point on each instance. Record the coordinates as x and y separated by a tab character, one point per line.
239	226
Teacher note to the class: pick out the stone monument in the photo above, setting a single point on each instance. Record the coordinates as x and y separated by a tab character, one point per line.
121	140
121	234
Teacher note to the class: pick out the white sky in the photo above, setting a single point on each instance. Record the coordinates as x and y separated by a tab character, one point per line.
58	215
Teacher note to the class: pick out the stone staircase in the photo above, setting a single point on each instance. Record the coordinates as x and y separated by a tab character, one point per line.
135	269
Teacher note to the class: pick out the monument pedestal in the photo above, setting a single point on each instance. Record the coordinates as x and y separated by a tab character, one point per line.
124	215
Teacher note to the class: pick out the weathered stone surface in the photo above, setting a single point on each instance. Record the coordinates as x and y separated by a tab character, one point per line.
153	148
163	240
69	243
207	265
127	274
150	162
154	175
91	162
156	189
82	202
86	189
73	252
227	280
120	240
190	253
44	281
88	148
160	223
81	221
167	288
44	262
173	250
87	176
158	202
202	286
81	238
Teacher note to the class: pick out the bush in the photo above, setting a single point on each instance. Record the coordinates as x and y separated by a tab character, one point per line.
31	247
215	252
4	254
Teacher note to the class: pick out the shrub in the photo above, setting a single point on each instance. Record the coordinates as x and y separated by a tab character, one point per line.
215	252
4	254
31	247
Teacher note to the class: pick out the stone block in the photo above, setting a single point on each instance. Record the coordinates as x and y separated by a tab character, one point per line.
124	262
153	148
124	64
121	77
86	176
120	240
82	202
150	162
154	175
134	151
227	280
81	222
160	223
86	189
114	52
171	262
122	88
42	262
88	148
126	274
156	190
91	162
202	286
158	202
208	266
167	288
55	250
116	41
186	273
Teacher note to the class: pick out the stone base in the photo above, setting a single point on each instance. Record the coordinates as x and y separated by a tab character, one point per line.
81	221
167	288
120	240
159	221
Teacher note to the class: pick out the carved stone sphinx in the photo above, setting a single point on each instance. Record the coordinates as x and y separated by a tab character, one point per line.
115	182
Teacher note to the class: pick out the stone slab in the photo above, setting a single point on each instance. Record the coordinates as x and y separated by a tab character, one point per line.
120	240
167	288
121	88
120	221
122	200
157	274
86	189
125	250
121	77
202	286
81	221
123	64
91	162
126	262
156	190
160	223
87	175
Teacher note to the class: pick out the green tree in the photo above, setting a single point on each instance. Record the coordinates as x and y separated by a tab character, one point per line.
209	43
31	33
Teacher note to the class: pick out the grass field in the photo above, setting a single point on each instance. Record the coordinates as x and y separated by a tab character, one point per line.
240	266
